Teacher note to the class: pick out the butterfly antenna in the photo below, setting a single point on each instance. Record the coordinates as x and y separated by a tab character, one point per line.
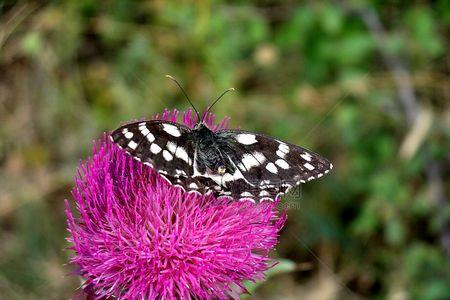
215	101
185	94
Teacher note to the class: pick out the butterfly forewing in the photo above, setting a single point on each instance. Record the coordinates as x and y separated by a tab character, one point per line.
165	146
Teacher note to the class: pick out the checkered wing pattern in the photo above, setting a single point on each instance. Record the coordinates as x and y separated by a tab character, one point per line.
252	166
165	146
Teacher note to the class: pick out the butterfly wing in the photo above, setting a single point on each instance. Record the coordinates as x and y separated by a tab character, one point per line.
200	185
165	146
267	167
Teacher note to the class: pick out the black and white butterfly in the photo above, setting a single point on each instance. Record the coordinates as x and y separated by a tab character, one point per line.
231	163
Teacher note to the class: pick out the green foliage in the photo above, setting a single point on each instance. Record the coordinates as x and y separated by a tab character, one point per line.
311	73
282	266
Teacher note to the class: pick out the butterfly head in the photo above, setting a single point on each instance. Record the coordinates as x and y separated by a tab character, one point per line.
203	132
200	126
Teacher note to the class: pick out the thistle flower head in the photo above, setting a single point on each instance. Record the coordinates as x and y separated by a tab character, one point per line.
134	236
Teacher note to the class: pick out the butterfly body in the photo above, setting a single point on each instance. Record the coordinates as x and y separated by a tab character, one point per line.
209	149
228	163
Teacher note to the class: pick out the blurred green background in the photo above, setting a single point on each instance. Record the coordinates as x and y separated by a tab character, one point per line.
364	83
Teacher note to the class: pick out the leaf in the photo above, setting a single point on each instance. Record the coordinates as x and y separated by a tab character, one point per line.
282	266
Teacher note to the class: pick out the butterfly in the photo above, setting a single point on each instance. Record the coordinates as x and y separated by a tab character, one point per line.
238	164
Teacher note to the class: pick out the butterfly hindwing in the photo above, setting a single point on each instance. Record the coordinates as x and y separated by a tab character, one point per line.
165	146
199	185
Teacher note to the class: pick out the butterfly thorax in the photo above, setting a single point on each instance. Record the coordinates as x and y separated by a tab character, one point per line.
210	158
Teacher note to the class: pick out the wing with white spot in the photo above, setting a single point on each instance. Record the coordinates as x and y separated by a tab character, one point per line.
165	146
269	167
199	185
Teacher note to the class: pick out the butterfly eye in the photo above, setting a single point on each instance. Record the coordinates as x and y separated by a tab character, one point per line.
221	170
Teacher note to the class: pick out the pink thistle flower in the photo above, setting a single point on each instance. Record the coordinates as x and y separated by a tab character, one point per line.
137	237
